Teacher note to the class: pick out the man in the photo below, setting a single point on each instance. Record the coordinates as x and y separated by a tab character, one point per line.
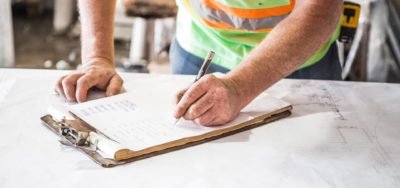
257	43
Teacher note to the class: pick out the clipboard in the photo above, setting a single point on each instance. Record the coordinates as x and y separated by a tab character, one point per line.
77	133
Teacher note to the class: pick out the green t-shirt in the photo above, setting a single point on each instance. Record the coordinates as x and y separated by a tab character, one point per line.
229	28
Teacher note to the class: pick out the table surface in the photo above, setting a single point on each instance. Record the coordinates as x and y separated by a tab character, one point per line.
341	134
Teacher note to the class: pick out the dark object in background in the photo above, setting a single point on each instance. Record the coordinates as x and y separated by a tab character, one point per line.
351	15
150	8
393	39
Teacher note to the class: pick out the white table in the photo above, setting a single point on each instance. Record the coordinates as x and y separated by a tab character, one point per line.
341	134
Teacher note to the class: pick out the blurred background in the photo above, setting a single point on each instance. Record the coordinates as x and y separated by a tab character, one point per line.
45	34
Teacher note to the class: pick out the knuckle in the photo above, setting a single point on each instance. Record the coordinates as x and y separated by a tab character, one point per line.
59	81
190	95
180	109
210	78
209	81
195	110
67	81
226	118
186	99
82	81
90	69
91	78
104	74
108	73
207	77
92	75
218	122
221	120
201	120
183	104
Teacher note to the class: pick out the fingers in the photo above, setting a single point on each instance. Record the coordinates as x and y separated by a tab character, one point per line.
59	87
213	117
191	95
114	86
69	86
210	101
207	119
83	85
97	73
179	95
199	107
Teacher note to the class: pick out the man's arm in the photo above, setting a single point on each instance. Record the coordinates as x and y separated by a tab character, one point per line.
213	101
97	20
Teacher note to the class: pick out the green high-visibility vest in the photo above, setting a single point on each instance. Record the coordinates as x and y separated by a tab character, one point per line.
232	28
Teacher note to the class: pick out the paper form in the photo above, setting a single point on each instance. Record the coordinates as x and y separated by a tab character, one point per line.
131	124
144	118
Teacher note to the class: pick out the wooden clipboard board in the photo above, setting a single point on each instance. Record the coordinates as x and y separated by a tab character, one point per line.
128	156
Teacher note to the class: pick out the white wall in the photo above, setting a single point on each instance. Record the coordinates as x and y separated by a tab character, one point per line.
6	35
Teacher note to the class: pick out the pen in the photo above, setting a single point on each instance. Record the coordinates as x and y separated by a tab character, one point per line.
206	63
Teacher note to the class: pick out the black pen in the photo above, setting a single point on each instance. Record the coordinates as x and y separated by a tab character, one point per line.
203	70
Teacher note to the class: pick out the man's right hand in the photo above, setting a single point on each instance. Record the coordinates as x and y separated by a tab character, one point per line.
99	73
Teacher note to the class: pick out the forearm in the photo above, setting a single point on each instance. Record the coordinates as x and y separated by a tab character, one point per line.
97	21
289	45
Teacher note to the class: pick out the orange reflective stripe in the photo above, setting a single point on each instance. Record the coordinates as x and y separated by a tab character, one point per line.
219	25
247	24
251	13
222	25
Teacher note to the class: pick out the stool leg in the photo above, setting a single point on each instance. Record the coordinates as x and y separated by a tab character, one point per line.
63	13
137	56
138	44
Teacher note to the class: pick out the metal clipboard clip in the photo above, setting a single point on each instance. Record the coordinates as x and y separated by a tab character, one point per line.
78	138
74	132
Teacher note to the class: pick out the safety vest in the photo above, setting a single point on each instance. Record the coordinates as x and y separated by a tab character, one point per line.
232	28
